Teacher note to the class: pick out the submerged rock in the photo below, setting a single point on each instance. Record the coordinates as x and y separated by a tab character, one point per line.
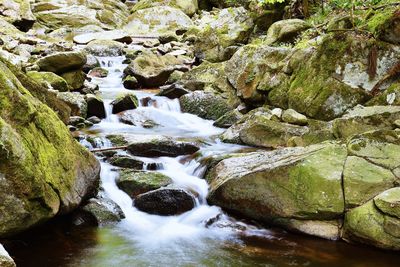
165	201
135	183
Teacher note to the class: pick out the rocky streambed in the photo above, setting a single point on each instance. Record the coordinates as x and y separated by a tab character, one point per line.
223	136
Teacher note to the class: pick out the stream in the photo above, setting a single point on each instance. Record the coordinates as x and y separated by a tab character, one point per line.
142	239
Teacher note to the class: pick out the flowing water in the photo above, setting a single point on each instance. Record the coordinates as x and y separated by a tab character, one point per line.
142	239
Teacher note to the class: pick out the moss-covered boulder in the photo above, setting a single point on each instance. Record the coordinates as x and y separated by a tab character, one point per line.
76	102
135	183
124	102
285	31
44	171
299	183
157	21
214	32
389	202
152	70
75	79
367	224
62	62
189	7
50	80
385	24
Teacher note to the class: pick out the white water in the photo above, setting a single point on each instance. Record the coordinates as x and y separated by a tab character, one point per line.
171	233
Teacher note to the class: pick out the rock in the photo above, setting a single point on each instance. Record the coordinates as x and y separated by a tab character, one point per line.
98	72
388	202
125	161
124	102
95	106
75	101
363	180
75	79
50	80
156	146
5	259
130	82
175	76
135	183
214	32
91	63
172	91
94	120
362	119
98	211
284	31
205	105
366	224
189	7
114	35
75	120
227	120
104	48
62	62
165	201
298	183
151	70
385	25
37	181
293	117
156	21
18	12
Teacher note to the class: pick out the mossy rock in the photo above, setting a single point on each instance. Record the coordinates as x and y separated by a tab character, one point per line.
62	62
75	79
285	31
44	170
50	80
189	7
389	202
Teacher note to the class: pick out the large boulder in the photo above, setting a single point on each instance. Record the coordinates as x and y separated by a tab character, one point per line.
44	171
62	62
135	183
157	21
124	102
151	70
165	201
50	80
189	7
298	183
76	102
215	32
285	31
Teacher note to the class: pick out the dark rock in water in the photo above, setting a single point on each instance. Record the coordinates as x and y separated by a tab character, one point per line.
172	91
125	102
161	147
138	182
205	105
94	119
91	63
165	201
126	162
95	106
98	72
75	120
62	62
130	82
98	211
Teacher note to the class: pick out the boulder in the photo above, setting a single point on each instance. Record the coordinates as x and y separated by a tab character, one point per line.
135	183
126	161
385	25
75	101
75	79
62	62
130	82
5	259
18	12
298	183
293	117
158	146
228	119
157	21
285	31
95	106
165	201
124	102
50	80
189	7
151	70
389	202
98	72
105	48
113	35
214	32
37	181
205	105
172	91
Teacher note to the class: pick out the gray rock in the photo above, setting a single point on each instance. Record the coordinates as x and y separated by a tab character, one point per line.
62	62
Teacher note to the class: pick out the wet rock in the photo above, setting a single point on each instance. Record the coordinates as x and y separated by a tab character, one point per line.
105	48
95	106
268	185
215	31
124	102
205	105
172	91
91	63
62	62
75	79
98	211
285	30
75	101
293	117
50	80
156	21
165	201
98	72
156	146
324	229
94	120
151	70
130	82
135	183
228	119
126	161
75	120
5	259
